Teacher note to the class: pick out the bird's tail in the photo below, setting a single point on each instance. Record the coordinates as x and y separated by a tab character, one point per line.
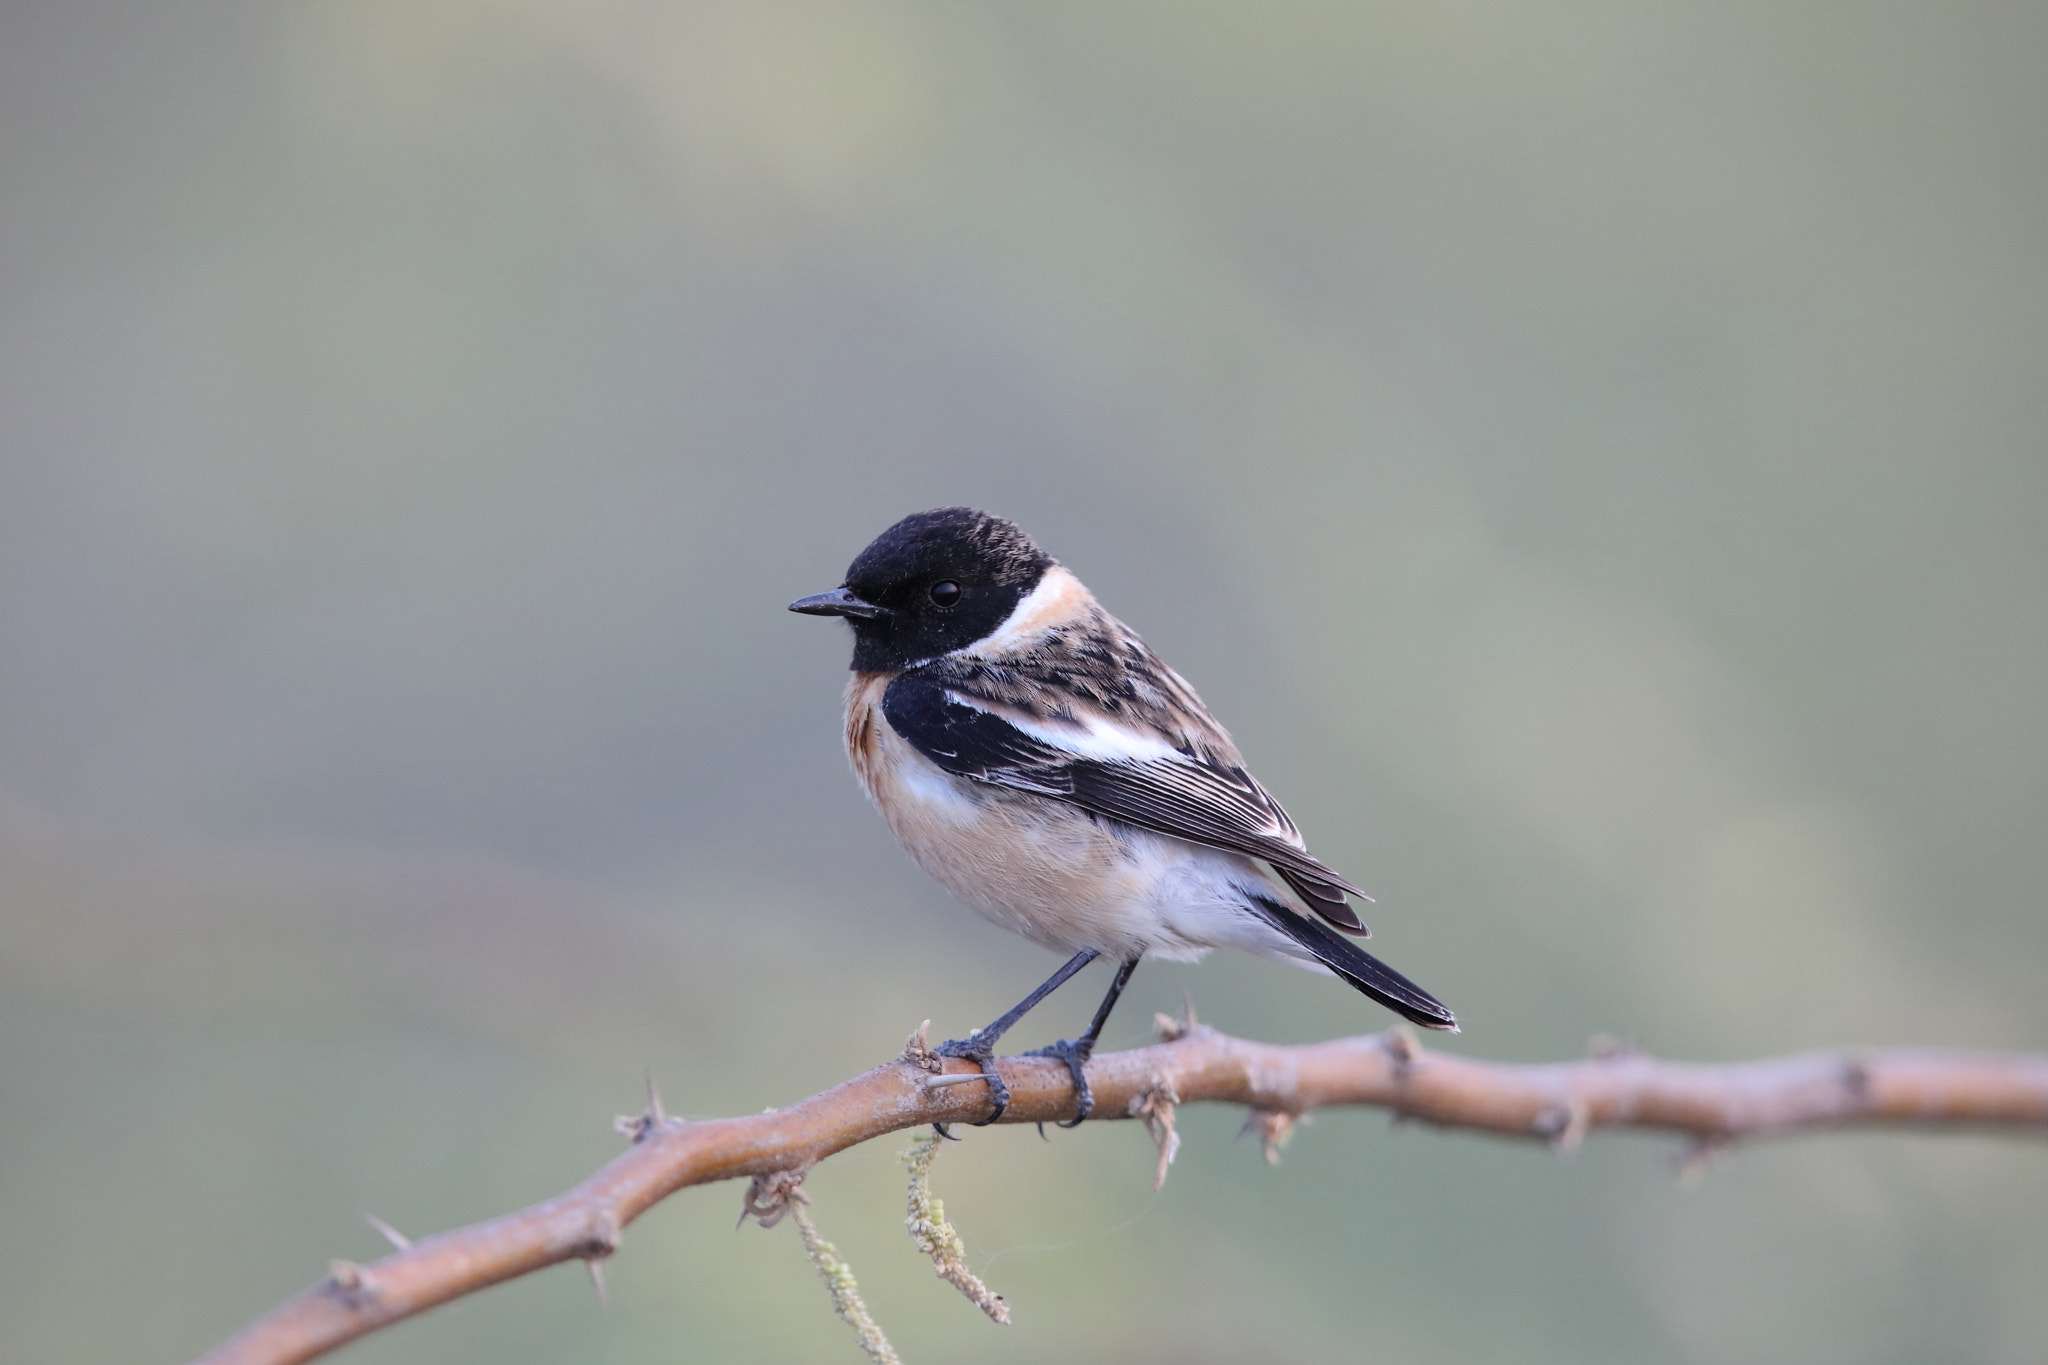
1364	971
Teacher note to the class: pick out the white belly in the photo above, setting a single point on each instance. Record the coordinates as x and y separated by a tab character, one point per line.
1059	876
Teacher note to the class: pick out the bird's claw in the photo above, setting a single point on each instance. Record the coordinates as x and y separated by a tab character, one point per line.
983	1055
1074	1052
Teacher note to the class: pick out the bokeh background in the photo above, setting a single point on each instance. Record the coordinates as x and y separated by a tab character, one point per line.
1591	454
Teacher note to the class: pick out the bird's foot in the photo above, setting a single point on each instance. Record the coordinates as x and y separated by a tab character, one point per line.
975	1048
1074	1052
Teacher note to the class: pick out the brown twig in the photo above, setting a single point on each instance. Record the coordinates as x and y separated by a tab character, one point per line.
1556	1103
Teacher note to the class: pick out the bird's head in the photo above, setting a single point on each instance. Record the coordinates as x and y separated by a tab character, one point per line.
934	582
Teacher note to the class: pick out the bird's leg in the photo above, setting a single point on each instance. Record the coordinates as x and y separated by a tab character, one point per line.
979	1046
1075	1051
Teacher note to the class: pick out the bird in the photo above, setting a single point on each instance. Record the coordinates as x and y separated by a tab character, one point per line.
1035	757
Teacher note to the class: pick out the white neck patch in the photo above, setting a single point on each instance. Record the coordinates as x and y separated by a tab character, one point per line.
1059	599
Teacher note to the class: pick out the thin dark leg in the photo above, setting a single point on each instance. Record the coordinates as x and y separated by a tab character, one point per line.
1030	1002
1116	989
980	1045
1075	1051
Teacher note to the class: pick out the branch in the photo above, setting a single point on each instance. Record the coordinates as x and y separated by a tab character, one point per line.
1556	1103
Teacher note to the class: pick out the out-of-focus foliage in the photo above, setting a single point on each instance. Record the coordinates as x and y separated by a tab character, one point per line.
1592	455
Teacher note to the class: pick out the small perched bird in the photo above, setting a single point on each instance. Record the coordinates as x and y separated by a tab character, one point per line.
1037	759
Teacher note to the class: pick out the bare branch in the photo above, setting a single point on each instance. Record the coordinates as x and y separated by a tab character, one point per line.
1557	1103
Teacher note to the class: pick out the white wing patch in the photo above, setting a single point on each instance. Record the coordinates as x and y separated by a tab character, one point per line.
1088	736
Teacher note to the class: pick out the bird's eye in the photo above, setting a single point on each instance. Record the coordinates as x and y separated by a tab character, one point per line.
945	592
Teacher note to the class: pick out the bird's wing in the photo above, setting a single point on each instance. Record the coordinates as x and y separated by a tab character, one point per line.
1112	770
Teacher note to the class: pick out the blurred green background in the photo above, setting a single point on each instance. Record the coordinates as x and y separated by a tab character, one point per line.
1591	455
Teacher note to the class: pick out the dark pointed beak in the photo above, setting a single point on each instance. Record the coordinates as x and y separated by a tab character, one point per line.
838	602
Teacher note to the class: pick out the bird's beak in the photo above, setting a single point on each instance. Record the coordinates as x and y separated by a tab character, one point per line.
838	602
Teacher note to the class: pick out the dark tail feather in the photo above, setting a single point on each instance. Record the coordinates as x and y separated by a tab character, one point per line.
1326	899
1364	971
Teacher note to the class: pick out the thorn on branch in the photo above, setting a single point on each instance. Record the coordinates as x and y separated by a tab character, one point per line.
1155	1107
350	1281
1698	1155
654	1109
635	1127
1565	1125
1274	1127
1605	1047
1404	1049
1170	1029
958	1078
1856	1081
383	1229
918	1051
603	1238
937	1239
770	1196
598	1245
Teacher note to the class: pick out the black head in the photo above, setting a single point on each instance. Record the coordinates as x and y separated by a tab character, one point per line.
930	584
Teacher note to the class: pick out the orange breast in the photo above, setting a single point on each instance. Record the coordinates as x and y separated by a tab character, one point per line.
863	719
